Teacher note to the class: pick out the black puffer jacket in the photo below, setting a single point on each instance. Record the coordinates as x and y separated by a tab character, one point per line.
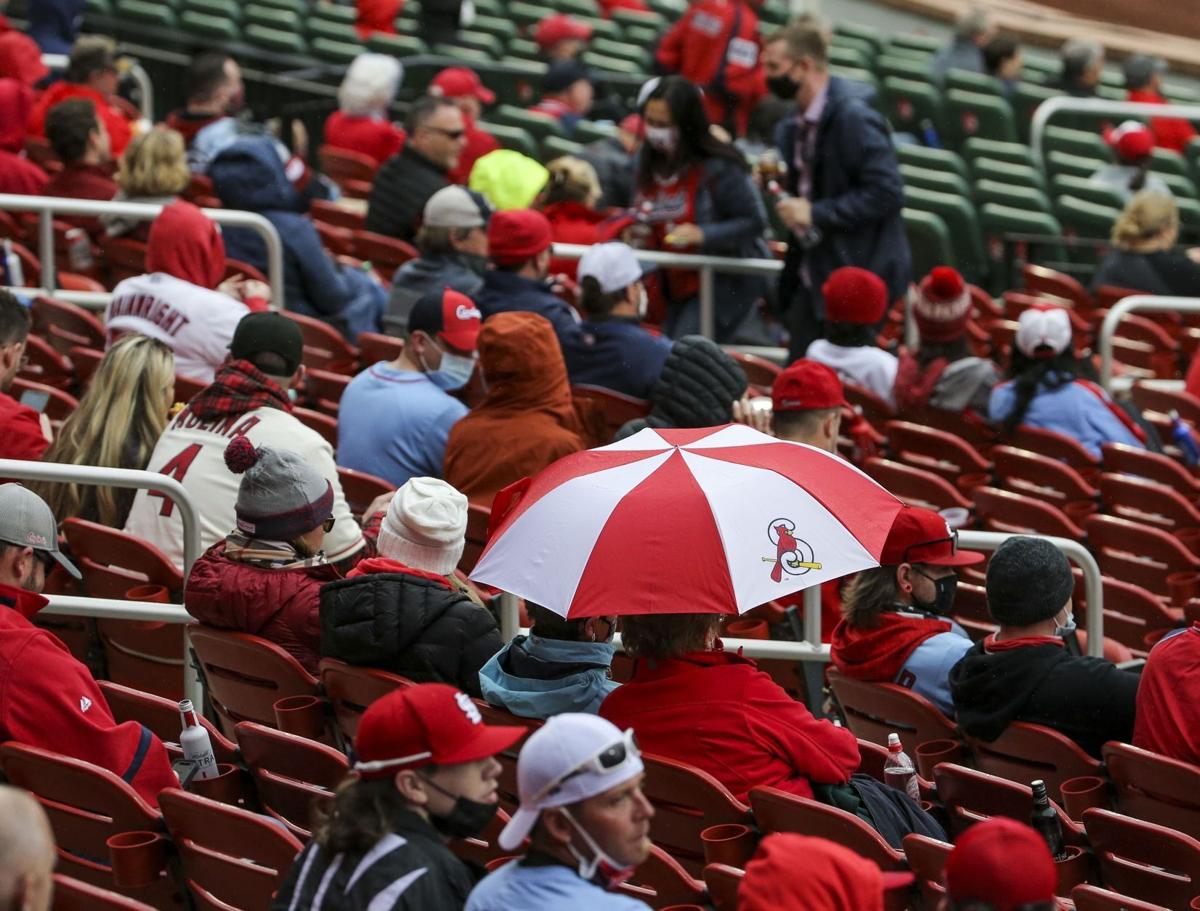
697	388
401	188
413	624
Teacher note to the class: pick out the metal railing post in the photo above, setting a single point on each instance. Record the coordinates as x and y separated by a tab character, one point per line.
1052	106
1125	306
812	615
708	304
46	250
510	616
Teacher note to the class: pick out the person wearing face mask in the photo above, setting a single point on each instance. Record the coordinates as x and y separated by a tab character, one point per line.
843	192
896	625
425	773
587	820
265	578
395	417
405	611
695	195
613	351
1024	672
561	666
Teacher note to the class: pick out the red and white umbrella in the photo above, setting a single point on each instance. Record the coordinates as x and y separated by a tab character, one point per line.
716	520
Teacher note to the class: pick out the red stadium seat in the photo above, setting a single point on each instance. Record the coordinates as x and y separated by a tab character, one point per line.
873	408
338	241
661	882
615	408
231	858
374	347
1043	280
291	774
759	371
360	489
74	281
59	405
1143	860
160	716
324	347
1151	465
244	675
46	365
187	388
509	792
236	267
1148	502
1131	614
331	213
86	805
1055	445
927	859
776	810
967	426
1155	788
76	895
1137	553
1025	752
322	423
351	689
916	486
478	518
385	254
1005	511
723	882
686	802
123	257
65	325
874	710
1164	401
1093	898
1036	475
342	164
85	362
324	389
969	796
934	450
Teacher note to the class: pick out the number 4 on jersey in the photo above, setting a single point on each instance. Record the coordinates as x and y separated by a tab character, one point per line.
176	468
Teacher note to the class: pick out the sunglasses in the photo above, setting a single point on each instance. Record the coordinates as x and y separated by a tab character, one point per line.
605	761
953	541
327	525
453	135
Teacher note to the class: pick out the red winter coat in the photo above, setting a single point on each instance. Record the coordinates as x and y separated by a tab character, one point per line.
574	223
1168	711
716	45
119	129
280	605
22	431
1169	132
718	712
49	700
373	136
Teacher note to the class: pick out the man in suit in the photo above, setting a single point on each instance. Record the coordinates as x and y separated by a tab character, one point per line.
844	191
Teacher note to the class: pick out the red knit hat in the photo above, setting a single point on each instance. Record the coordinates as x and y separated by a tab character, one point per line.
854	295
1003	863
806	386
516	235
943	306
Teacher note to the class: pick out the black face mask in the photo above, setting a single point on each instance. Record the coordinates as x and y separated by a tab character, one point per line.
943	601
784	87
466	818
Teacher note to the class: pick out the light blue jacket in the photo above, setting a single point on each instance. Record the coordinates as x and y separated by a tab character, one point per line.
1071	409
513	887
929	666
535	678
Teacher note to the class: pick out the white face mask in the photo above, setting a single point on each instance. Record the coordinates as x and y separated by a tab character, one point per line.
1068	626
664	139
643	302
600	869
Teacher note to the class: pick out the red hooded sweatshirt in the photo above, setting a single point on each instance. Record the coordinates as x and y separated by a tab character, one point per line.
1168	707
1169	132
17	173
377	16
49	700
185	243
878	654
21	59
119	129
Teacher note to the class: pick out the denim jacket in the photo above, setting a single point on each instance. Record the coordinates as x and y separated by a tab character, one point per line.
536	678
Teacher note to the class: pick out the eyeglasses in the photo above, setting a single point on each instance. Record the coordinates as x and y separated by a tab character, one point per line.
606	760
327	525
952	540
453	135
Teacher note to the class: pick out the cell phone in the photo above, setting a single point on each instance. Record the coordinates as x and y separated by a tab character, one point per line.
35	399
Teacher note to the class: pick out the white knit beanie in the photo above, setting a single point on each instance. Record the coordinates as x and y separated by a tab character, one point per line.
425	526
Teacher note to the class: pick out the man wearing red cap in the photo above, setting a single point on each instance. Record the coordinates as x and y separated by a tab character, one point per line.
425	773
519	247
943	373
791	872
1000	865
1133	146
561	37
461	85
855	301
897	626
806	405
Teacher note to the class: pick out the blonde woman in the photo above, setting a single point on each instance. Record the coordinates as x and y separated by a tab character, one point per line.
153	170
569	204
1144	256
117	423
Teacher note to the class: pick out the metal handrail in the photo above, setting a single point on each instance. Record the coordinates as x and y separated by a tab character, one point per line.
47	207
1052	106
88	300
705	265
135	71
1125	306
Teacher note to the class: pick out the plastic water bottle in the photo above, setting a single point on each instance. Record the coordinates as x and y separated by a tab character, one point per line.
196	744
899	771
1181	436
14	272
1045	820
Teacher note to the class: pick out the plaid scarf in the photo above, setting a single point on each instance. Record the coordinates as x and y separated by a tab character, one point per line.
238	387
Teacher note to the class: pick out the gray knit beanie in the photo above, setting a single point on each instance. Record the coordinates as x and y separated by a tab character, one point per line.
280	496
1028	580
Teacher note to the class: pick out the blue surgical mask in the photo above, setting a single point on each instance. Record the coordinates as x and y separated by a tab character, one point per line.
1066	627
454	373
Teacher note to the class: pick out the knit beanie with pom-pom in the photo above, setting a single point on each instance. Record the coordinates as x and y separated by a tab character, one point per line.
281	496
942	306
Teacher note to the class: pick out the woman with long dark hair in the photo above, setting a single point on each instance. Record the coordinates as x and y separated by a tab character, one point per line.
695	195
1048	388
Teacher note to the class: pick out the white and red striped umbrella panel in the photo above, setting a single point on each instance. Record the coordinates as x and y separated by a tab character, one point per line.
715	520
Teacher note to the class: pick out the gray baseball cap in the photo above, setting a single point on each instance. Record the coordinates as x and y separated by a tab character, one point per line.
26	521
456	207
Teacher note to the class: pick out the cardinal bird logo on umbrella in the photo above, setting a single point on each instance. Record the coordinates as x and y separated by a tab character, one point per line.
792	555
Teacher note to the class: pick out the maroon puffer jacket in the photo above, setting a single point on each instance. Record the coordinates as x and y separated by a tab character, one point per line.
278	604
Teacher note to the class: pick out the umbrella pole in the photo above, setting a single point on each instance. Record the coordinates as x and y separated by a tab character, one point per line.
814	673
510	616
812	615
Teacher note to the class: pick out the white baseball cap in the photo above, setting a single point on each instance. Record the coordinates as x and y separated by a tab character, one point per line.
1043	326
613	265
568	759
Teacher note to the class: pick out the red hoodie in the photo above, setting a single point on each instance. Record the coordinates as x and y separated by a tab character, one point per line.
186	244
119	129
49	700
377	16
21	59
1169	132
1168	710
878	653
375	137
17	173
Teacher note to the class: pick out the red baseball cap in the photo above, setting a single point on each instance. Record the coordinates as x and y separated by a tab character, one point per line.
922	536
516	235
831	877
854	295
1001	862
806	386
460	82
560	27
1132	141
425	724
449	315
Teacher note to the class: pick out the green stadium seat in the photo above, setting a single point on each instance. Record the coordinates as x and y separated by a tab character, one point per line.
515	138
481	41
1075	142
1037	69
863	77
502	28
517	82
527	15
1189	218
1181	187
840	55
1111	93
97	8
397	45
928	241
636	55
1014	195
868	50
606	28
642	35
1025	101
274	39
1192	153
341	52
937	180
1085	219
540	126
208	26
933	159
555	147
1180	94
589	131
1006	172
149	13
670	9
523	49
1015	152
922	44
272	17
584	9
902	67
334	31
1065	163
652	19
334	13
908	104
613	64
998	221
1168	161
958	214
489	7
222	9
974	114
974	82
1083	188
861	33
462	55
299	7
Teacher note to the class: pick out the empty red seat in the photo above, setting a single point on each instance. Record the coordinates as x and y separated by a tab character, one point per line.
1005	511
324	389
324	347
64	325
374	347
46	365
1164	401
874	710
1152	465
1056	445
324	424
1042	279
927	859
969	796
1025	752
1138	553
1093	898
934	450
333	214
723	882
1144	860
615	408
160	716
1155	788
59	405
360	489
780	811
340	165
1032	473
1148	502
871	406
75	895
759	371
385	254
351	689
916	486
